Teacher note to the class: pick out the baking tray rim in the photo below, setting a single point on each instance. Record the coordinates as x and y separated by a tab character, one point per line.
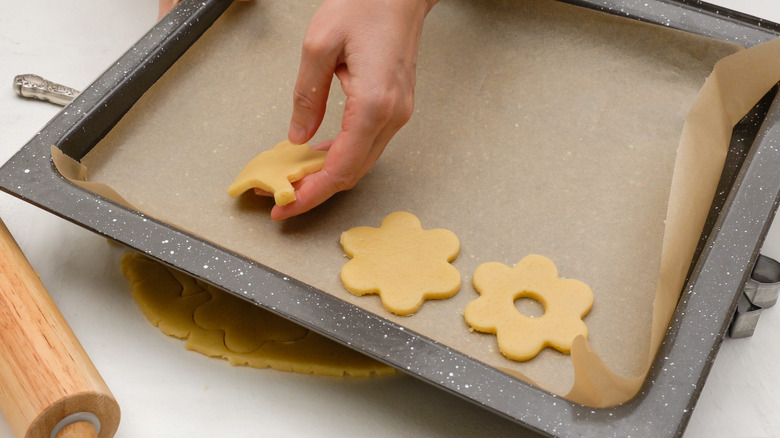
31	176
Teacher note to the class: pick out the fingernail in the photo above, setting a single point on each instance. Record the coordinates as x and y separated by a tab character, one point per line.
297	134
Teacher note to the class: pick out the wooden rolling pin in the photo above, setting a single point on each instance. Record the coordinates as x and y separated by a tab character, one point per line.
48	385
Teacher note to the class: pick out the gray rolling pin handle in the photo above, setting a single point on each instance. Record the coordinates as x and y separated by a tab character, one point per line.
36	87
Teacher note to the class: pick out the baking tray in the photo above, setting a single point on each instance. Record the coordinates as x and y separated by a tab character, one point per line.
738	222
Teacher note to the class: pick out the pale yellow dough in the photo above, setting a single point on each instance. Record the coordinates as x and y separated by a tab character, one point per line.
274	170
218	324
522	337
402	263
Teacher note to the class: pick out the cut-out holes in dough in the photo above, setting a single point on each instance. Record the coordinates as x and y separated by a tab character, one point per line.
529	307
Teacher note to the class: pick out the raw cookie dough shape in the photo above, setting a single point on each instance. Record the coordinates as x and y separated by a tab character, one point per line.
521	337
171	299
274	170
402	263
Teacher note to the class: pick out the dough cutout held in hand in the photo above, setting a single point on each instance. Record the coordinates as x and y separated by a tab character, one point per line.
276	169
402	263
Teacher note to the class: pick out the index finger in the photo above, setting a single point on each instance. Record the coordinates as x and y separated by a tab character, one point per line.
349	158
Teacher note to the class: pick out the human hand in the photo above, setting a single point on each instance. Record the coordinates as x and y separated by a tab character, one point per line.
371	46
166	6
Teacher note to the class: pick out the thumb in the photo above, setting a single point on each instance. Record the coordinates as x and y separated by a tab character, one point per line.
310	95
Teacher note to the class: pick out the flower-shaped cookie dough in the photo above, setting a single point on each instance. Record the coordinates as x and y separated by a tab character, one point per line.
522	337
275	170
401	262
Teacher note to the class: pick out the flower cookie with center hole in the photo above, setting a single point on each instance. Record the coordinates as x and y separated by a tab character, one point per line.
402	263
522	337
275	170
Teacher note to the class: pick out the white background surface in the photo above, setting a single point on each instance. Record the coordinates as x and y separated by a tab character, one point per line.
166	391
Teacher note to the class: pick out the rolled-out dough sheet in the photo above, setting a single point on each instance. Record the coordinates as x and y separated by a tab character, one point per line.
539	128
218	324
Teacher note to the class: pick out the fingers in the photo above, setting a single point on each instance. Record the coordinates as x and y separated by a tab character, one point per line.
308	195
318	62
351	155
260	192
344	165
165	7
372	49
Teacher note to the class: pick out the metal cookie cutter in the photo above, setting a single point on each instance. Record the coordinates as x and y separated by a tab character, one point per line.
36	87
760	292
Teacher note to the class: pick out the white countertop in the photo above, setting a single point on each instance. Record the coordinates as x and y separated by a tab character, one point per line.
167	391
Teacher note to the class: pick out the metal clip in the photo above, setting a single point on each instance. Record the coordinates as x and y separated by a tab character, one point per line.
36	87
760	292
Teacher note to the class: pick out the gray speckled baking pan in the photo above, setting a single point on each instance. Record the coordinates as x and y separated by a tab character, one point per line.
730	243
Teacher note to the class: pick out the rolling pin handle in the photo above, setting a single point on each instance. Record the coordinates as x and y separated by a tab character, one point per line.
46	377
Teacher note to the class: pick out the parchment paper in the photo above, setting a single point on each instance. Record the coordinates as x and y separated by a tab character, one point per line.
539	128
